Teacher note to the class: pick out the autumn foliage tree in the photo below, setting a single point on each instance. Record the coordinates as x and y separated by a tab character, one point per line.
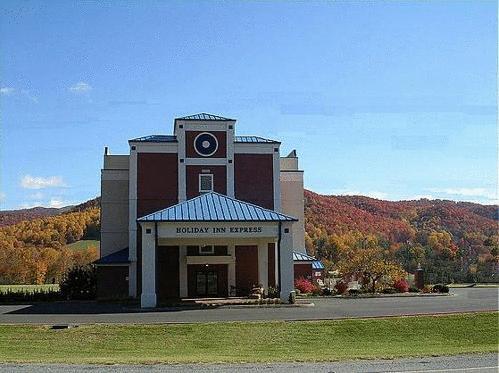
35	252
371	265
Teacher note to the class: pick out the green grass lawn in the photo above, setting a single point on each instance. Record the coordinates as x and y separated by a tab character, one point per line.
252	341
28	288
83	244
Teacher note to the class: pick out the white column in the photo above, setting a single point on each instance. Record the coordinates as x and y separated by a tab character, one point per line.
182	271
286	261
263	264
231	268
148	296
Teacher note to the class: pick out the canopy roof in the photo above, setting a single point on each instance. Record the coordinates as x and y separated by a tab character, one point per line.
118	257
300	257
213	206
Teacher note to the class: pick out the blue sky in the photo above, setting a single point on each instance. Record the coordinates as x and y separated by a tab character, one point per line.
395	100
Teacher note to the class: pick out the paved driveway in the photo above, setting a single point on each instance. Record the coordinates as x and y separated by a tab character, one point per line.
461	300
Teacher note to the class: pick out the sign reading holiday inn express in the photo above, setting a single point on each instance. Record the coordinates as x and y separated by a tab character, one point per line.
217	230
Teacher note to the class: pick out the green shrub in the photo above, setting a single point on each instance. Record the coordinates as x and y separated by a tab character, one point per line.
353	292
413	289
79	283
273	292
389	291
440	288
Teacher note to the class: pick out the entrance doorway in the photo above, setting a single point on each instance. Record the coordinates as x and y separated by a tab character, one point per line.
207	280
206	283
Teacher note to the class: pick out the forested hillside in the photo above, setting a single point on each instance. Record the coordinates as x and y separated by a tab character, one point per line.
34	251
453	241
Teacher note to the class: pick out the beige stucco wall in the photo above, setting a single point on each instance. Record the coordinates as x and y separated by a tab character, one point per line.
114	204
292	199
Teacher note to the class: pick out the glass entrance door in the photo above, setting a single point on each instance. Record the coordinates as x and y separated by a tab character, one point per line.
206	283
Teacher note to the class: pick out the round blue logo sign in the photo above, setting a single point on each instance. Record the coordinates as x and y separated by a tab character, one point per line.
205	144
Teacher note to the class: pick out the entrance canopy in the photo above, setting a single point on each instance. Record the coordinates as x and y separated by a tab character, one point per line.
214	243
211	207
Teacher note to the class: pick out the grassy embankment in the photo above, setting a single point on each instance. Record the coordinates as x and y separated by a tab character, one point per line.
252	341
84	244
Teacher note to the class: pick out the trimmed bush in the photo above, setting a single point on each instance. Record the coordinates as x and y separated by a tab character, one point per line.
389	291
341	287
353	292
440	288
401	285
79	283
304	286
273	292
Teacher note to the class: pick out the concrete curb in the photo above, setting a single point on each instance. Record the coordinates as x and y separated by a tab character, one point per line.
368	296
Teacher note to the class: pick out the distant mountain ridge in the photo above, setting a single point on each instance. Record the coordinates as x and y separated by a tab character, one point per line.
10	217
340	214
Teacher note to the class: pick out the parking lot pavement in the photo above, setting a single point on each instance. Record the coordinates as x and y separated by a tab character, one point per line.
486	363
460	300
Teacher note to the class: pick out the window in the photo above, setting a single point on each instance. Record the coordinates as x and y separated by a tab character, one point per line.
205	183
206	250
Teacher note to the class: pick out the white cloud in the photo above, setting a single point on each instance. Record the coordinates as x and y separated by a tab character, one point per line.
57	202
6	91
54	202
31	182
372	194
421	196
466	192
80	87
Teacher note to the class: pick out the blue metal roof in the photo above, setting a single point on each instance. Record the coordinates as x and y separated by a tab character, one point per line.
173	138
300	257
317	264
254	139
156	138
213	206
203	116
119	257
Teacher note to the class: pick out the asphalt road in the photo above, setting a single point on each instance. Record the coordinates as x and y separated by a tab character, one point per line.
486	363
461	300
